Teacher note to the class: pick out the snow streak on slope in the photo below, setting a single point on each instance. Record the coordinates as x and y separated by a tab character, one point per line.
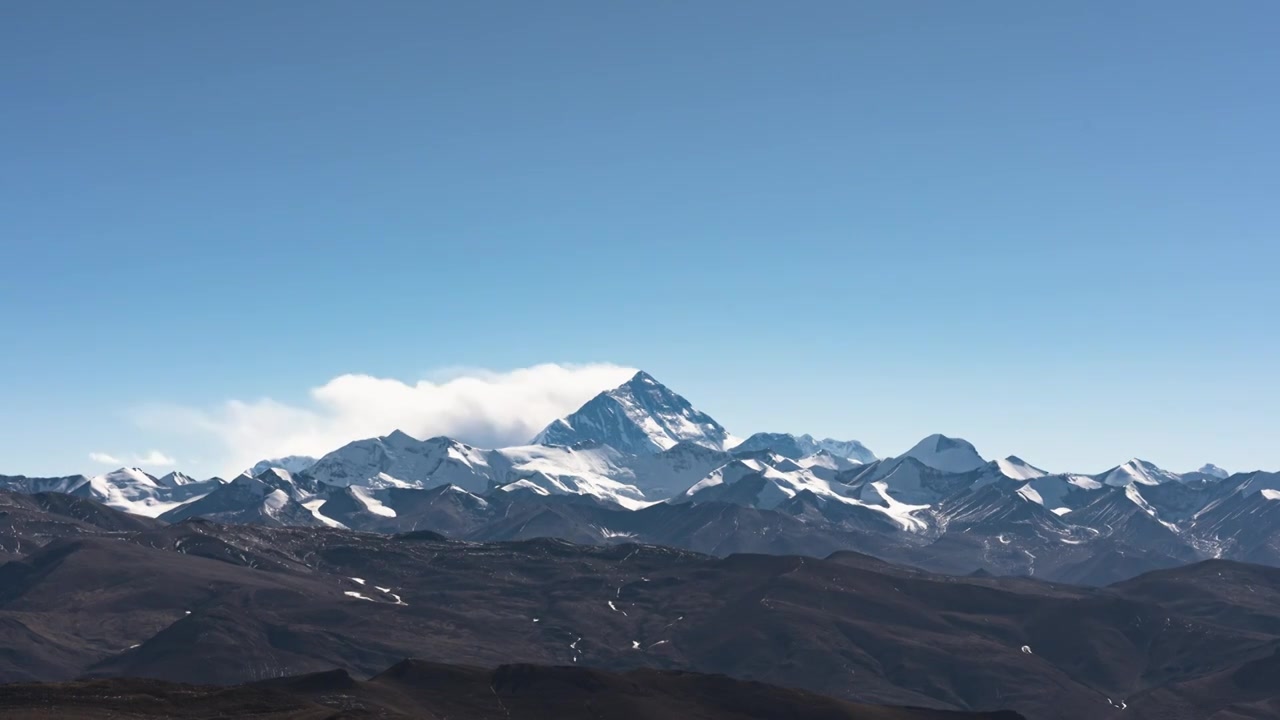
766	480
559	470
1019	469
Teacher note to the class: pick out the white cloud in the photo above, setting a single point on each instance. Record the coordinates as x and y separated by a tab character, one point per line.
481	407
155	458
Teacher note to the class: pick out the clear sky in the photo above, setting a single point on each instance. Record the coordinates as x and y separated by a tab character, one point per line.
1054	231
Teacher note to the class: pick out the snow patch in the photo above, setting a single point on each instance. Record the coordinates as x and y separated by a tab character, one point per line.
1019	469
371	503
313	506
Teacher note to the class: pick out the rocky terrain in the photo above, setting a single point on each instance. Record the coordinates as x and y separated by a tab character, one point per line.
204	603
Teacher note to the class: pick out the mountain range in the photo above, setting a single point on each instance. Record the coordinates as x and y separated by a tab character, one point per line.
640	462
637	560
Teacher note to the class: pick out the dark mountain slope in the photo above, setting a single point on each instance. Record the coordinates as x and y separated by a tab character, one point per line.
430	691
28	522
201	602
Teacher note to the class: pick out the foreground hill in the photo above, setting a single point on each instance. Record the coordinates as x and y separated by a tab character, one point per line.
198	602
28	522
430	691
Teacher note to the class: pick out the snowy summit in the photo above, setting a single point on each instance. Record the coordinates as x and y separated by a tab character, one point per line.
640	416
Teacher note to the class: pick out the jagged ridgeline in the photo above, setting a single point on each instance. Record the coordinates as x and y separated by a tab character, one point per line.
640	462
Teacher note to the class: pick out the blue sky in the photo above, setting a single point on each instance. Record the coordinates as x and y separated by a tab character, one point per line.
1051	231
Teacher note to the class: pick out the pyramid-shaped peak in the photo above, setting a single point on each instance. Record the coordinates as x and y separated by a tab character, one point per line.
400	437
641	416
1214	471
129	475
175	479
1137	471
942	443
642	378
642	384
953	455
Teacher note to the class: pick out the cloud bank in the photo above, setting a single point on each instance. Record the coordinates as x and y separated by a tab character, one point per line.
480	407
155	459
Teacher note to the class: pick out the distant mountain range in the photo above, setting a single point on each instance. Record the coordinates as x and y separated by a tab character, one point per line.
640	462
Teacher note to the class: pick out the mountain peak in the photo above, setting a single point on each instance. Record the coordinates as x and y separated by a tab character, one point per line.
293	463
175	479
848	449
399	437
1137	471
1214	471
1016	468
640	416
642	378
948	454
799	446
128	475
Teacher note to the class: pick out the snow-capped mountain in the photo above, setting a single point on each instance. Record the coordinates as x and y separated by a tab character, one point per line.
827	466
272	498
596	471
175	479
768	480
1138	472
134	491
1016	468
849	449
909	481
663	475
800	446
644	451
1213	471
32	485
918	474
1005	508
292	463
951	455
400	459
1242	518
1060	494
639	416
